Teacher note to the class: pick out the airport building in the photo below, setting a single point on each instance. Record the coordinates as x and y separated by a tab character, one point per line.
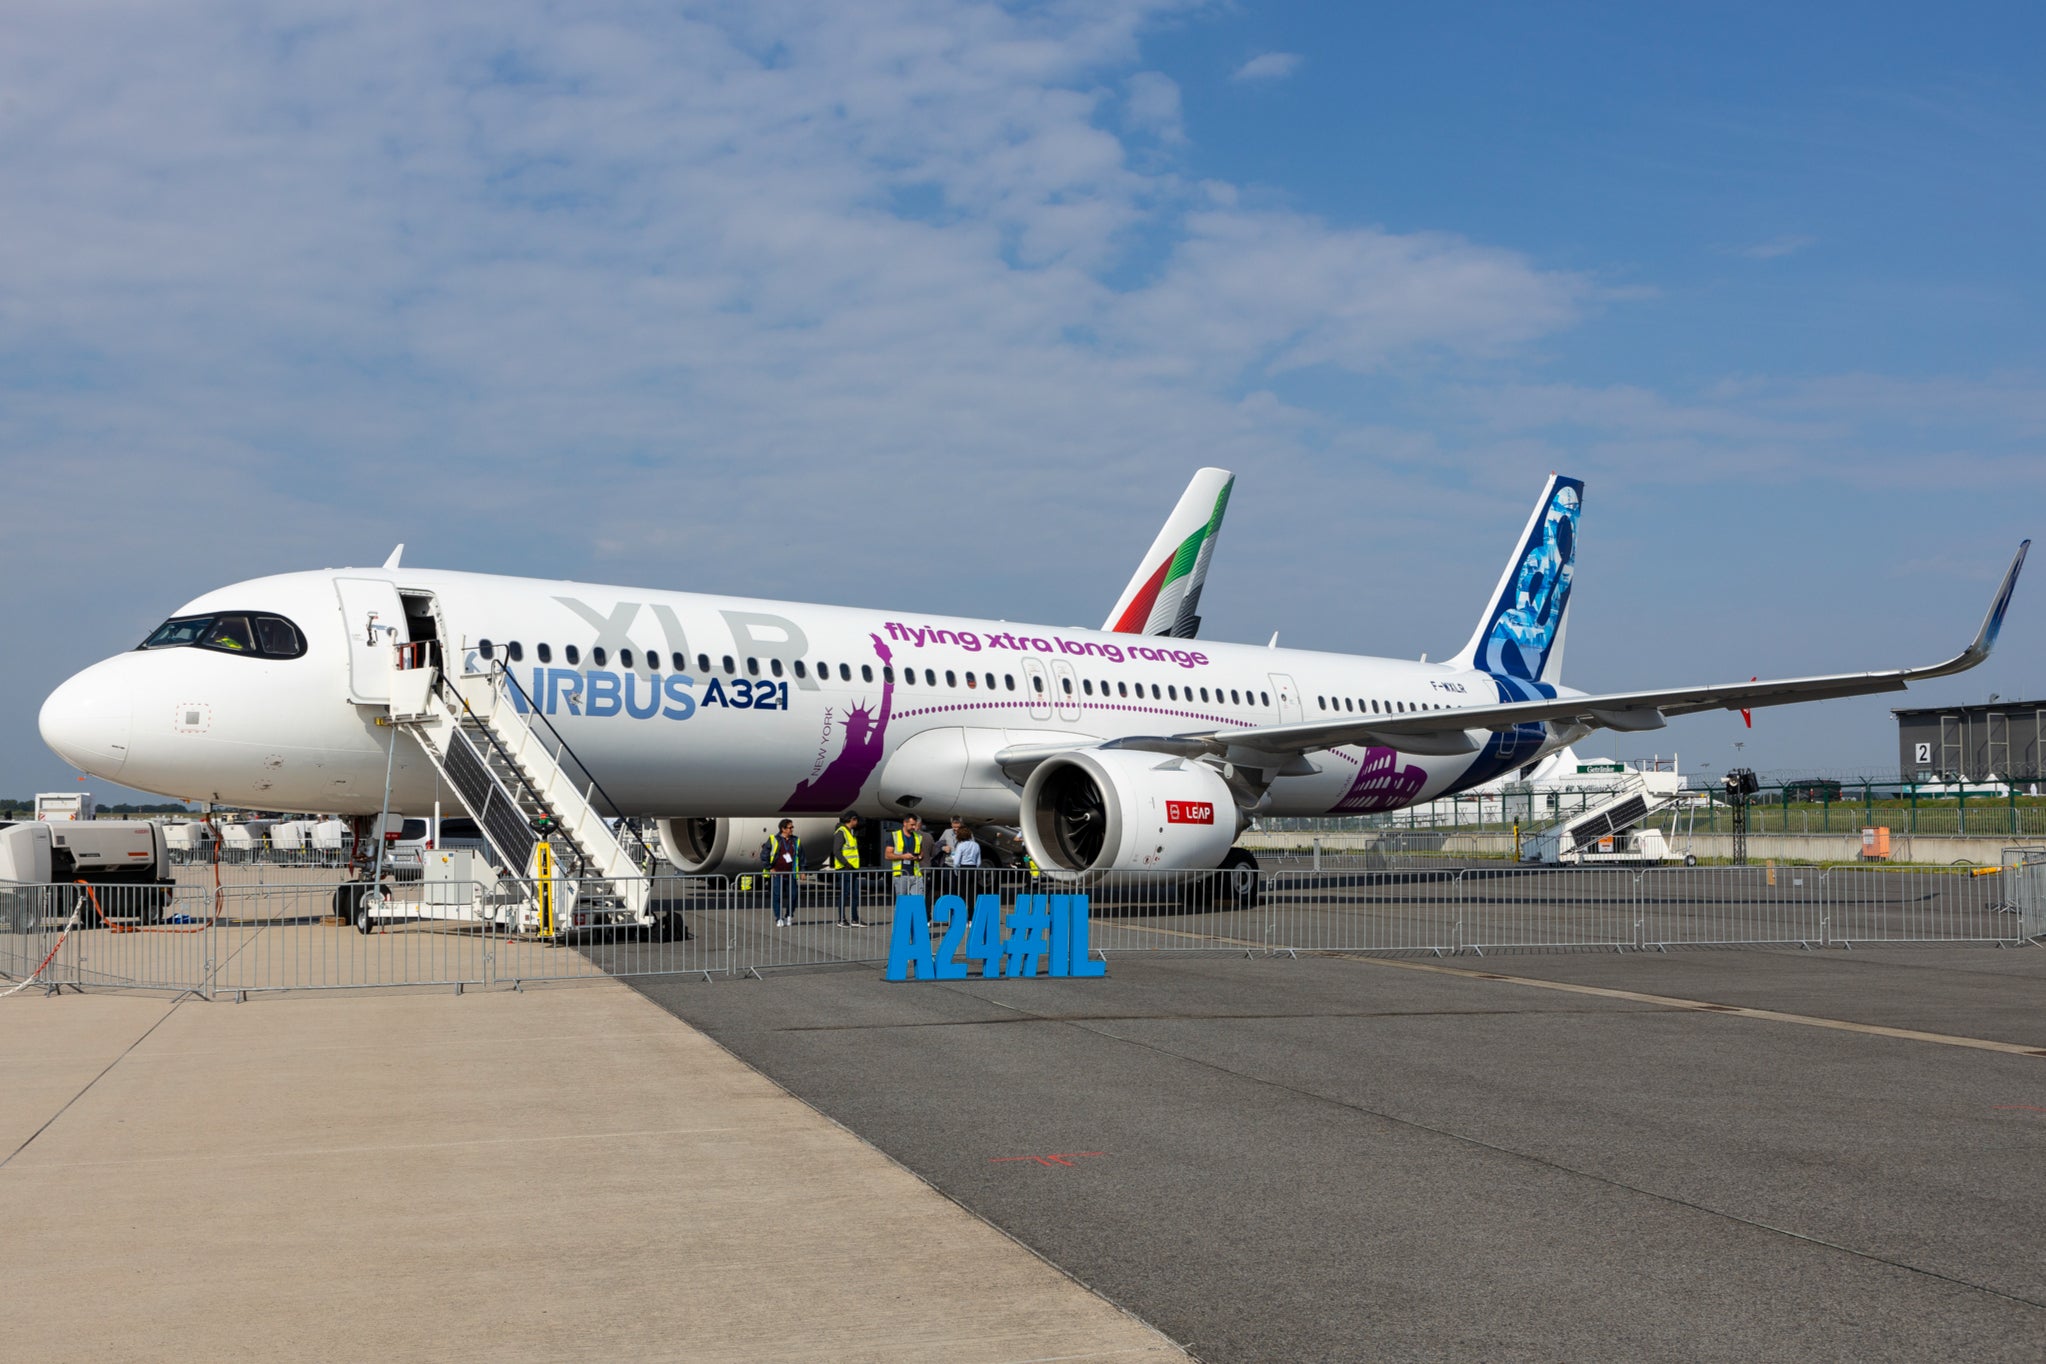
1999	739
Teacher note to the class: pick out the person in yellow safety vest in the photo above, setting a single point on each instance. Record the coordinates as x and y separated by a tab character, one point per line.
905	854
845	859
783	855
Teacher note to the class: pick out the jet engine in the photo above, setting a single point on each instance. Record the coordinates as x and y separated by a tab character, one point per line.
1097	810
727	847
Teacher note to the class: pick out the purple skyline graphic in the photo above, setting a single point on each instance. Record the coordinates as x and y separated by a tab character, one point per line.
1380	785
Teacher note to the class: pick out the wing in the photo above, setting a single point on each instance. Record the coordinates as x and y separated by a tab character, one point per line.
1463	729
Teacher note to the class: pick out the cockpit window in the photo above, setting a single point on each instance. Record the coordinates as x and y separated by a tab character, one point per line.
278	637
179	631
231	633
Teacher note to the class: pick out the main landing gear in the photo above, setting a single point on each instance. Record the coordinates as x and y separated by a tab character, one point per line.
1233	885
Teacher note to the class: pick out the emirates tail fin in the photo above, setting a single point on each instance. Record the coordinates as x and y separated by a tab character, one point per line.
1164	597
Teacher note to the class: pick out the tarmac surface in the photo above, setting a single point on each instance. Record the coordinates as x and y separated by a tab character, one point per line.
1702	1155
566	1173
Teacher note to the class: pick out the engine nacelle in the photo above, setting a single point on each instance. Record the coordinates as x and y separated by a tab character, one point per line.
728	847
1096	810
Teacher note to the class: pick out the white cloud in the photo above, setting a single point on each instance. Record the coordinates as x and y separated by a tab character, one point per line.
1154	106
1268	66
1776	247
1276	291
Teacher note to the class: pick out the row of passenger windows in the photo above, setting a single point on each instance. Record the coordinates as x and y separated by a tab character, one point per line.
1345	703
514	652
650	659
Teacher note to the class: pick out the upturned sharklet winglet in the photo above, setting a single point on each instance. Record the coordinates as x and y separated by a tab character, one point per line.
1164	596
1521	632
1992	624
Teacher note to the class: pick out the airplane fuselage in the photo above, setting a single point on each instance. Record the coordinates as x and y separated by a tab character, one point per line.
691	704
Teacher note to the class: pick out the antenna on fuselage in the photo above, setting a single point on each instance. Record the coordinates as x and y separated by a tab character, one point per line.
396	555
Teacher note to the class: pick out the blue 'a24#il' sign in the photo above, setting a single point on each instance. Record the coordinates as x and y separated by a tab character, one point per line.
1052	927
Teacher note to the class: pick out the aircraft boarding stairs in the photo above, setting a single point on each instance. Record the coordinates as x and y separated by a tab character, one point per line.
509	775
1616	828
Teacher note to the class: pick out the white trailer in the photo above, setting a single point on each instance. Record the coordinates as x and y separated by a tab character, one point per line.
246	840
190	840
64	805
330	839
291	836
125	861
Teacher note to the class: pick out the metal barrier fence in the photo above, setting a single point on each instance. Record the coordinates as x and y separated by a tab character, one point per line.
237	939
1801	808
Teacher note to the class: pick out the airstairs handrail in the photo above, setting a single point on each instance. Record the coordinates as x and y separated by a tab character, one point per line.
627	837
453	697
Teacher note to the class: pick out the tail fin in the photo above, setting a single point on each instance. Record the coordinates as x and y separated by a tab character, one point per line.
1165	595
1521	633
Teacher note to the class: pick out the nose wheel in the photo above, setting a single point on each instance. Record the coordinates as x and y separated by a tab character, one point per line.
357	903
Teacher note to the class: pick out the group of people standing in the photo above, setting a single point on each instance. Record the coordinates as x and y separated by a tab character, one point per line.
954	856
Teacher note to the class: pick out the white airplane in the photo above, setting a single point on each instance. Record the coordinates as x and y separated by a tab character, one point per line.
718	715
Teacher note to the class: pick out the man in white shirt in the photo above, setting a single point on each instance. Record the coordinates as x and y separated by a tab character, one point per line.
965	863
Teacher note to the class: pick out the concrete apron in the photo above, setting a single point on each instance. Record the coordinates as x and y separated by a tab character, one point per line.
565	1173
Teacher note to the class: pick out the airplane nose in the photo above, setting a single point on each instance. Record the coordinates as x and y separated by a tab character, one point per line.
85	721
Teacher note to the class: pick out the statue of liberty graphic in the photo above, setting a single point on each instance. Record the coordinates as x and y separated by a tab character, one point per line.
840	783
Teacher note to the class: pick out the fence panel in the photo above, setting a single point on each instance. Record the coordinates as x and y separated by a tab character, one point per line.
1363	911
782	921
1166	911
1871	905
1530	908
692	935
111	937
2025	897
274	937
1731	906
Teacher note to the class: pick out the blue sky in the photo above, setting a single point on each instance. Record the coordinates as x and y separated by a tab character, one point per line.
700	295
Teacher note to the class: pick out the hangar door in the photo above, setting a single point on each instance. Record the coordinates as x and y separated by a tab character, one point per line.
375	620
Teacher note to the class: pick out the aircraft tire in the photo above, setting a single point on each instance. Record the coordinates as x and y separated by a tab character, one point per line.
1238	880
346	896
1690	859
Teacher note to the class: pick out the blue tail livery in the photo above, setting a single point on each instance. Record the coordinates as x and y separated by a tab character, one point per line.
1521	633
